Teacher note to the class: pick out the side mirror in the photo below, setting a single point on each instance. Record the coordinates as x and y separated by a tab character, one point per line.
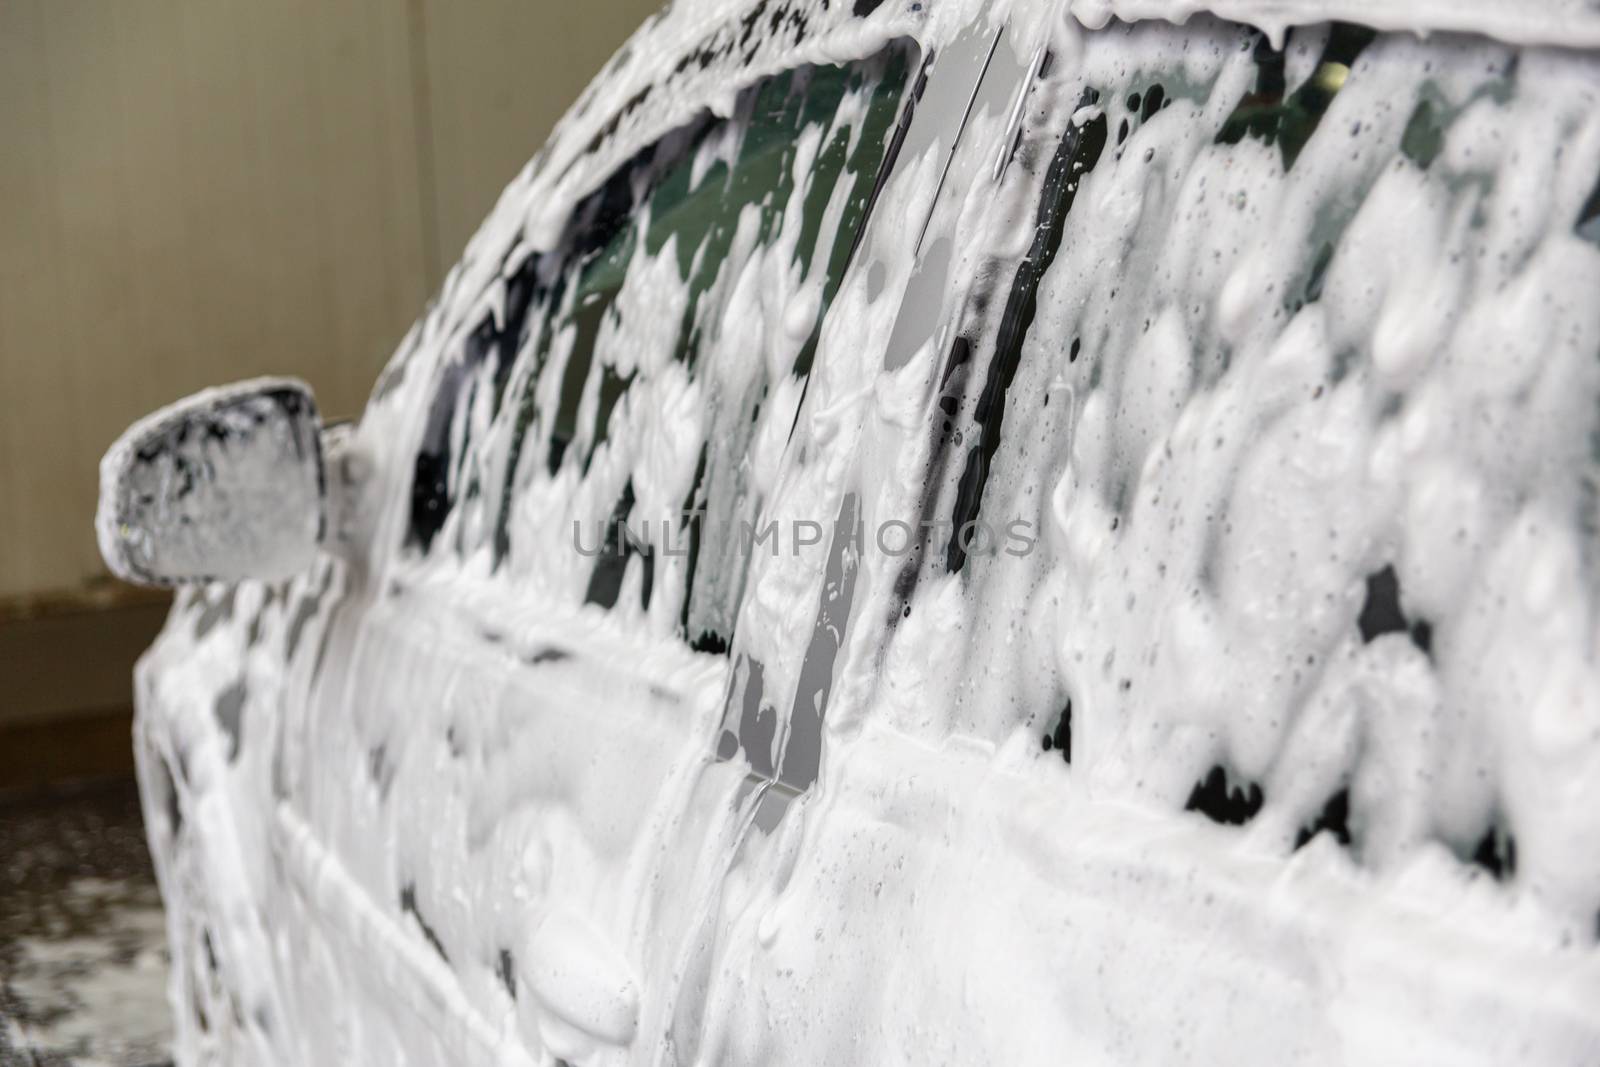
223	485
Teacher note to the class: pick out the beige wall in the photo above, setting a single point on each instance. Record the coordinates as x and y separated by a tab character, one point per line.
195	192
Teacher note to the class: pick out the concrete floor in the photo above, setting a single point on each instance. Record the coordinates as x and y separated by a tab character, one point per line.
83	958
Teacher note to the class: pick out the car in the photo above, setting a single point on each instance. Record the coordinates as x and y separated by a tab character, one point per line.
926	532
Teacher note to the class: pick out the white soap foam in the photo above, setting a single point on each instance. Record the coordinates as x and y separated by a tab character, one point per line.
489	827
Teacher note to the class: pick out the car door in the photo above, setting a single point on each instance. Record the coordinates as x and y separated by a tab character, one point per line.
485	789
1177	710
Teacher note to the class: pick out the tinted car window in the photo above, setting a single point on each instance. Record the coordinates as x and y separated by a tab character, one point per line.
648	370
1288	385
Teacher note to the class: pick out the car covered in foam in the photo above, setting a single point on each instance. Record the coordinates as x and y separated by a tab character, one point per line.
927	532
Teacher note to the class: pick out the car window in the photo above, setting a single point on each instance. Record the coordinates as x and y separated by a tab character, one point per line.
621	406
1269	455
